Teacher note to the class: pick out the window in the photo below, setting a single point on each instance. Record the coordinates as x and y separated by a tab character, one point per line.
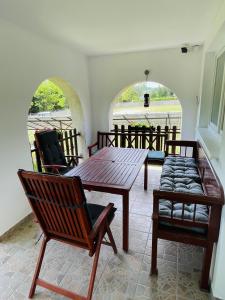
217	115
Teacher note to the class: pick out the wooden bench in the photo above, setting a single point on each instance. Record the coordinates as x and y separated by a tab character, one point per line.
154	141
187	206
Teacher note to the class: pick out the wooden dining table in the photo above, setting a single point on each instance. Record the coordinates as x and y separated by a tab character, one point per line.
114	170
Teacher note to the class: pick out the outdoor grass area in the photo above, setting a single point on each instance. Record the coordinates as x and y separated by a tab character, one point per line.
140	109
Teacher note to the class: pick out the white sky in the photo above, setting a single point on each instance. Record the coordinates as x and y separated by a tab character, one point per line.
150	84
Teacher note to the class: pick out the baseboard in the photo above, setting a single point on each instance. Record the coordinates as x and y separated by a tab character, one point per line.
213	298
12	229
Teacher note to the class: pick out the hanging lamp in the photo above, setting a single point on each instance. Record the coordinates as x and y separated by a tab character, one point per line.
146	96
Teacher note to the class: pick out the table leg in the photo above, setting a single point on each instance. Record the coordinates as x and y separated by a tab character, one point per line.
146	175
126	221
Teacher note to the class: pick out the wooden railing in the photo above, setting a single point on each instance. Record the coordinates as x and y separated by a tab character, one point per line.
173	133
158	144
151	141
69	144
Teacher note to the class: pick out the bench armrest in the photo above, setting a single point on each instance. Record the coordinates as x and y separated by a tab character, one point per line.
186	198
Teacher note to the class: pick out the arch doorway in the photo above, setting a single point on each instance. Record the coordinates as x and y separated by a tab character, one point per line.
164	108
55	104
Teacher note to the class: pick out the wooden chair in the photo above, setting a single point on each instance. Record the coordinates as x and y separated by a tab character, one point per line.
51	152
60	206
154	141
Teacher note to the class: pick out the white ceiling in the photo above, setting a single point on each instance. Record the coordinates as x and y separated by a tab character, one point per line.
102	27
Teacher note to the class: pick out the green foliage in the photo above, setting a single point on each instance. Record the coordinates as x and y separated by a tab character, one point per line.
162	92
140	123
129	95
167	98
48	97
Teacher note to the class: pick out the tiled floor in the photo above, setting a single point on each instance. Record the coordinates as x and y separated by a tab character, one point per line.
123	276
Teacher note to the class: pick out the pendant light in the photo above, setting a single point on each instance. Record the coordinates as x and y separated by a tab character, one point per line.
146	96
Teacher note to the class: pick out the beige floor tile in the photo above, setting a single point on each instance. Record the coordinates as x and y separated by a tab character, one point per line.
119	277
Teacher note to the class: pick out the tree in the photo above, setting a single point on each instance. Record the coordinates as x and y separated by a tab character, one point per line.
48	97
129	95
135	93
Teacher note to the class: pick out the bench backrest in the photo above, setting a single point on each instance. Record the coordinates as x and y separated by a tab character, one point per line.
181	148
210	181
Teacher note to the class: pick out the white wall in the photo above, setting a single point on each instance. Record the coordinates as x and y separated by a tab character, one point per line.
214	143
25	61
179	72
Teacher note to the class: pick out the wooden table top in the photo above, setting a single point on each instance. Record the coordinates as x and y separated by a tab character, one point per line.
111	170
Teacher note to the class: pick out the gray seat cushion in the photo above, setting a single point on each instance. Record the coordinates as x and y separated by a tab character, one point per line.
201	214
180	161
180	172
156	155
183	185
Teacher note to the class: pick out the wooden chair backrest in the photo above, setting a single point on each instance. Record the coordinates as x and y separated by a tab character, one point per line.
49	147
58	203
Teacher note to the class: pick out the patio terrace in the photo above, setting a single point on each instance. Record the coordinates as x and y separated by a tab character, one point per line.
93	50
120	277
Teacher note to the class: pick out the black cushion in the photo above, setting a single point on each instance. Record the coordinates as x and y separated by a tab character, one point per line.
94	211
52	151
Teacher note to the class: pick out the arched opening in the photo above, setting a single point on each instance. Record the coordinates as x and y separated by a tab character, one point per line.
55	104
128	108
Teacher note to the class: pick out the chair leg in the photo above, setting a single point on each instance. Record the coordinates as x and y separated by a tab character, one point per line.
154	270
113	244
95	265
38	267
204	283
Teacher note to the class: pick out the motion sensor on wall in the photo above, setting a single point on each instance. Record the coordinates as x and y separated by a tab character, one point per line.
184	49
187	48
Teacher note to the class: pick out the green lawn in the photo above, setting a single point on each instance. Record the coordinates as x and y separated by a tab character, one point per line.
144	110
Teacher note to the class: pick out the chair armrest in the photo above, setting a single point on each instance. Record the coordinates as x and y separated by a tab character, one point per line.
102	219
73	159
76	156
90	148
186	198
55	168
